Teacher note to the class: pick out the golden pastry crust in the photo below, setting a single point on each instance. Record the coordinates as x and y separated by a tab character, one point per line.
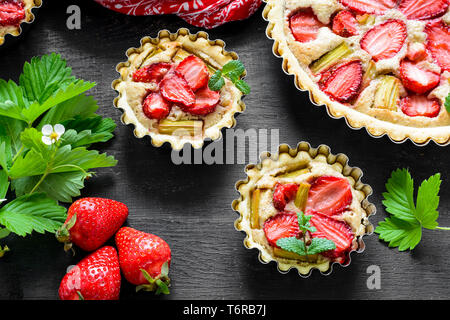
29	18
162	49
378	122
319	161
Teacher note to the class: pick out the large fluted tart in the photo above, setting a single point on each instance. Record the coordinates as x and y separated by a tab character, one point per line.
164	89
306	210
13	13
381	64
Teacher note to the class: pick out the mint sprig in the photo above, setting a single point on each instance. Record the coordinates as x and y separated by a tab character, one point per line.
35	176
447	103
404	228
301	246
233	70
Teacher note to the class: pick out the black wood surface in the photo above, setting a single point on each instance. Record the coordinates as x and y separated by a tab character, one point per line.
190	205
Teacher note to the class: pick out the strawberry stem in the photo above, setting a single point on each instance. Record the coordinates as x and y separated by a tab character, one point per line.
442	228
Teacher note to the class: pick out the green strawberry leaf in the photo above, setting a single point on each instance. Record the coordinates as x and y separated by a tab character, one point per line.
30	213
428	202
4	184
399	233
12	101
45	75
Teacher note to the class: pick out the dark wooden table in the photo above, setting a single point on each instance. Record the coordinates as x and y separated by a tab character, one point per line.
190	205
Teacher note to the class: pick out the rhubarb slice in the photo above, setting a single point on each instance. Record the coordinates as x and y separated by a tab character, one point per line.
187	127
301	198
331	58
387	94
254	210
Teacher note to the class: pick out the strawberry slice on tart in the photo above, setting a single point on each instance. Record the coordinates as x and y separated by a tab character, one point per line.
420	106
283	193
384	40
152	73
423	9
438	43
305	25
369	6
345	24
194	71
417	78
282	225
12	12
329	195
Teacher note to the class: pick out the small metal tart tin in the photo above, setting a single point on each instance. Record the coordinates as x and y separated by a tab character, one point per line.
10	38
374	127
148	44
240	205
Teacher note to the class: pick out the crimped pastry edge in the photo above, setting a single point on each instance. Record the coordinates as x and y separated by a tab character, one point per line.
354	119
29	19
175	142
348	171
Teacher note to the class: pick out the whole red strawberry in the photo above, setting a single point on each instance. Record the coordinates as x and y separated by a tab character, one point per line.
91	222
144	260
96	277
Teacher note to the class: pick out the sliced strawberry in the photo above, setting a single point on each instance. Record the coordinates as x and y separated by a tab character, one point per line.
305	25
283	225
418	105
416	52
416	78
370	6
195	71
11	12
384	40
343	82
283	193
423	9
329	195
205	102
337	231
152	73
438	43
155	107
345	24
176	89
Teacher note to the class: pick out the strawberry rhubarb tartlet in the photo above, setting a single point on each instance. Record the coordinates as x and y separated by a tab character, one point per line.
381	64
306	210
13	13
164	89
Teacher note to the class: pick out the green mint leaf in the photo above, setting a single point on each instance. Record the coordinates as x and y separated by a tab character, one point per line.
12	101
292	244
234	66
447	103
58	186
428	202
319	245
81	107
30	213
399	233
303	222
242	86
4	184
398	199
216	82
45	75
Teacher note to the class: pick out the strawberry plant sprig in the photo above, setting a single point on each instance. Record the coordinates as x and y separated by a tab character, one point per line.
403	229
233	70
447	103
47	125
305	245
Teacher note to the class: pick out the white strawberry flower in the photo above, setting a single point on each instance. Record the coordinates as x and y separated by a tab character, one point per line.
51	134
